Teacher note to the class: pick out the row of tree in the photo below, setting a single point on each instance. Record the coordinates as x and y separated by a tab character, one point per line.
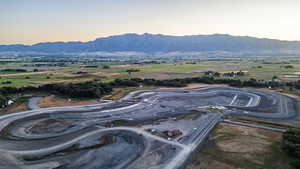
91	89
96	89
13	70
227	74
295	84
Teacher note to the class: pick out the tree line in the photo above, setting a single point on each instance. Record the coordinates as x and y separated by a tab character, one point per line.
97	89
13	70
228	74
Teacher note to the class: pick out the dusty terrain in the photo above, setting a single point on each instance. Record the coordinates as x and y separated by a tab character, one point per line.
282	92
14	108
239	147
168	75
52	101
195	86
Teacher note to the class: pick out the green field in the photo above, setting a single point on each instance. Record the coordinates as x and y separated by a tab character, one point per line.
254	68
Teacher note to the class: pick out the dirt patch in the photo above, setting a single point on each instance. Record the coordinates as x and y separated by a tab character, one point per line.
120	66
52	101
168	75
118	93
196	85
279	91
14	108
256	141
106	74
240	147
202	70
158	76
72	78
208	161
290	95
24	74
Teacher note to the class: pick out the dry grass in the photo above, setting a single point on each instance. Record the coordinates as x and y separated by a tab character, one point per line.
118	93
240	147
24	74
253	120
195	86
72	78
168	75
14	108
52	101
280	91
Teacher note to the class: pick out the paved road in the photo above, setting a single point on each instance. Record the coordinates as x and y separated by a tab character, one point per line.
33	103
202	133
253	125
41	133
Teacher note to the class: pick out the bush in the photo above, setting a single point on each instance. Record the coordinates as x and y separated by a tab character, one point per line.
13	70
85	89
3	101
106	67
7	82
291	145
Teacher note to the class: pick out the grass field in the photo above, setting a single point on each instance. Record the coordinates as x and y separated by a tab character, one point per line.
259	69
233	147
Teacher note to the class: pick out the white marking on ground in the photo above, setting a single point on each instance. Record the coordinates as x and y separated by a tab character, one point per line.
233	100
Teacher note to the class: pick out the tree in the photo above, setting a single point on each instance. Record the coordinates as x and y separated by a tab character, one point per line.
274	77
129	71
291	145
106	67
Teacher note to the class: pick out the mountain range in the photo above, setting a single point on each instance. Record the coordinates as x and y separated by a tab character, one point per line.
151	43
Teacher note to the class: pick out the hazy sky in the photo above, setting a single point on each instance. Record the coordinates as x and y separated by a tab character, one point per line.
31	21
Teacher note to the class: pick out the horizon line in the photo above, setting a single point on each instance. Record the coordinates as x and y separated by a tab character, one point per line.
145	33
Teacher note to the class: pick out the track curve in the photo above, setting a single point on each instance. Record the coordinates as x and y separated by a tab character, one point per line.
112	135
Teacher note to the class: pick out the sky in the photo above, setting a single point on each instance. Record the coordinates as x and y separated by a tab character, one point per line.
32	21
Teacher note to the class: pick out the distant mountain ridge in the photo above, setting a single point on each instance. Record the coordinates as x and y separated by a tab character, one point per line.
150	43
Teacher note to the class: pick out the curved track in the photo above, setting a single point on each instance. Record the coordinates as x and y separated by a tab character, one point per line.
113	135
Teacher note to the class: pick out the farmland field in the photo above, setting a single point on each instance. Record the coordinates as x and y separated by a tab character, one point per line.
285	69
